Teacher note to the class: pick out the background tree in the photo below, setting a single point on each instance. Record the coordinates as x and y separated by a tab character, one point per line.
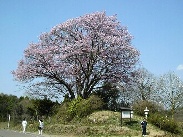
143	88
25	104
9	104
3	107
77	56
110	96
171	91
146	86
44	107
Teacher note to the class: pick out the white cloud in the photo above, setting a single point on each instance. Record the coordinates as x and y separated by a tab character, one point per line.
180	67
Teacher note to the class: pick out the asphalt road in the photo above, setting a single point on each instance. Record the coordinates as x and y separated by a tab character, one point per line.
10	133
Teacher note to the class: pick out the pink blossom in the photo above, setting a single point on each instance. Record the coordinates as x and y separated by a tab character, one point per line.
80	53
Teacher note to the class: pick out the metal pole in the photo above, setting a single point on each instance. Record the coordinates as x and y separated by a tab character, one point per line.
121	119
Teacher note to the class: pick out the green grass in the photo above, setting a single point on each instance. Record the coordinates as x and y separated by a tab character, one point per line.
3	125
98	124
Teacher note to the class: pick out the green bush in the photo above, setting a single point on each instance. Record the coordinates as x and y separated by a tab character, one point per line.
87	106
62	115
78	108
141	105
73	106
165	123
82	107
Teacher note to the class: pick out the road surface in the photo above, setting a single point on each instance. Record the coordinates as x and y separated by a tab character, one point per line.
11	133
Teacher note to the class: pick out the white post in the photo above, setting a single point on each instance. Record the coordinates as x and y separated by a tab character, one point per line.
9	120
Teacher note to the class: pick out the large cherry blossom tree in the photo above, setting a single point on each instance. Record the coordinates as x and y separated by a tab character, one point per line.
77	56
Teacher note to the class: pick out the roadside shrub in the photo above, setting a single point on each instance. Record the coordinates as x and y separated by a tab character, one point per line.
165	123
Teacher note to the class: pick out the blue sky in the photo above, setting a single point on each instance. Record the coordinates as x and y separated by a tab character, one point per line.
157	27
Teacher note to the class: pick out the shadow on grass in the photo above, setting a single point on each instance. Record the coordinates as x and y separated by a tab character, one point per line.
131	122
133	125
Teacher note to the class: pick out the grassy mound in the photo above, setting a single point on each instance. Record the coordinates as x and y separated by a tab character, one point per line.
102	123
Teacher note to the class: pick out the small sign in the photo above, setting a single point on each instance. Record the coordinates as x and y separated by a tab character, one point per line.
127	114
